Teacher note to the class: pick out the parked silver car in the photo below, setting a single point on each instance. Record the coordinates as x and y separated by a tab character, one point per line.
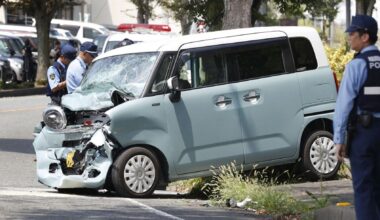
11	47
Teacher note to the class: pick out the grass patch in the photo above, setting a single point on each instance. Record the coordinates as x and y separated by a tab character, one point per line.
191	187
41	82
14	85
229	183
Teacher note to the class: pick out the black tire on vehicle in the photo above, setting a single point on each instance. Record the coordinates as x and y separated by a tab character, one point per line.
319	156
14	77
136	172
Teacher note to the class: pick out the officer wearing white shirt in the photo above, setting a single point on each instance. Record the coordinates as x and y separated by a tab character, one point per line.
77	68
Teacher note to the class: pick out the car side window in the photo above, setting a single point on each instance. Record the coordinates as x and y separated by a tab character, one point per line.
303	54
256	61
159	82
201	69
73	29
90	33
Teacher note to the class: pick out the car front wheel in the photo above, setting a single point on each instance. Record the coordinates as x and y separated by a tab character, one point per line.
319	156
135	173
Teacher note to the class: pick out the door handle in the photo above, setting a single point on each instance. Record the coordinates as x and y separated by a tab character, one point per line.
223	101
252	96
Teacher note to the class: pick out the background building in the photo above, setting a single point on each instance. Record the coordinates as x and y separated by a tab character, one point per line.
109	13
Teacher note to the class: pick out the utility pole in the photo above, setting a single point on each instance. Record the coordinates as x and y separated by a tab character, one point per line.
348	13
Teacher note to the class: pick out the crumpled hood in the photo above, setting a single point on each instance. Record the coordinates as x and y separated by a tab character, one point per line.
87	101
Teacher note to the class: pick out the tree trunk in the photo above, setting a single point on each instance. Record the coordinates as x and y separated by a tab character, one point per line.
365	7
237	14
43	29
143	11
255	11
185	20
140	16
185	25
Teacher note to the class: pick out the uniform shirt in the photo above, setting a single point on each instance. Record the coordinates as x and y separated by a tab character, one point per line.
53	75
353	80
74	74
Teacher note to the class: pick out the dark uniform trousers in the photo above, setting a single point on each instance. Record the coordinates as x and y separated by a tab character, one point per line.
365	168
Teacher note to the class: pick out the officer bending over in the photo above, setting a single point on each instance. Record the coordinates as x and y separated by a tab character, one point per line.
359	94
56	74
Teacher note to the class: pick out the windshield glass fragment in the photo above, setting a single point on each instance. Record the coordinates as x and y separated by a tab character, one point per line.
126	73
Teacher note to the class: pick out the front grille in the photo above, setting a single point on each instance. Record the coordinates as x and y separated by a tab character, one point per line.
71	143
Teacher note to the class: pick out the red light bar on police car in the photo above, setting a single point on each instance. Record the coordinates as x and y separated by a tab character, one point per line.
153	27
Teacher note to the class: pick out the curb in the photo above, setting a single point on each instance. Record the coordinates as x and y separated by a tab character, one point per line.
335	213
22	92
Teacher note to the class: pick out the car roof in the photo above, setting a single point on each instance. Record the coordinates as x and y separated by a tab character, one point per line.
176	43
77	23
17	28
136	37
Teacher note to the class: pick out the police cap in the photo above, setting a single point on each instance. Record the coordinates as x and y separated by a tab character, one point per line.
89	48
363	23
68	51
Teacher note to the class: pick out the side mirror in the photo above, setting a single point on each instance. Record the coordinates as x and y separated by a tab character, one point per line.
12	52
173	85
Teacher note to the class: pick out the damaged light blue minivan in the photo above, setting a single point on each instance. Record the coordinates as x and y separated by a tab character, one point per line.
152	113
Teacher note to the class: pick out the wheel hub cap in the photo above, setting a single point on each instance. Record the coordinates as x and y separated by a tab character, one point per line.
323	155
139	173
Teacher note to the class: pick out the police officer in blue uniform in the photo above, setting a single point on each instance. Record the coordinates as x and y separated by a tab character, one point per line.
358	103
56	74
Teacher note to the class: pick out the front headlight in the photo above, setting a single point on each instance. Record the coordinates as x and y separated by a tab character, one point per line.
54	117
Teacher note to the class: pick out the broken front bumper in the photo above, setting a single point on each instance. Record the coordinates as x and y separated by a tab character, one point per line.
77	157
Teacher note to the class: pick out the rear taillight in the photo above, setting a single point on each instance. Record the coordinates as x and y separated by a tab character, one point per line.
336	82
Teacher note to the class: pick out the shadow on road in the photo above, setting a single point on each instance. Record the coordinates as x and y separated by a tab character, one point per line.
106	194
17	145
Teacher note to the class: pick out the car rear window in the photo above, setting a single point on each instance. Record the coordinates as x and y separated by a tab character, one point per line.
259	62
303	54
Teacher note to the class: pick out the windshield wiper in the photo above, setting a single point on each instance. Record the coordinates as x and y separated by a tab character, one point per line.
124	92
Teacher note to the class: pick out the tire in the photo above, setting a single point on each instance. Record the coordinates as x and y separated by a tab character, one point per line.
319	156
14	77
135	173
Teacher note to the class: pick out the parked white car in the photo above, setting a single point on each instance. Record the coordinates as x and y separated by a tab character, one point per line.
84	31
114	39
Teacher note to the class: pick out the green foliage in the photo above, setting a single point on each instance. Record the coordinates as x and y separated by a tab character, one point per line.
22	85
210	11
338	58
326	8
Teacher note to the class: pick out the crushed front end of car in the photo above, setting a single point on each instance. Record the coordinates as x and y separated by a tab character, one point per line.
78	156
73	145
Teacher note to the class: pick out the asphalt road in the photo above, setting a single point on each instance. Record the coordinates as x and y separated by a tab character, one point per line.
22	197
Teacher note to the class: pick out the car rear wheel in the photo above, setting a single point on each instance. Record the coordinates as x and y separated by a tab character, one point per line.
319	156
135	173
14	77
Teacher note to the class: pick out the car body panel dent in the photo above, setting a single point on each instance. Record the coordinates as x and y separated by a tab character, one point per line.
52	158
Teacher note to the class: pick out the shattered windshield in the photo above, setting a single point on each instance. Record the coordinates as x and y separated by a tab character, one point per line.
127	73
